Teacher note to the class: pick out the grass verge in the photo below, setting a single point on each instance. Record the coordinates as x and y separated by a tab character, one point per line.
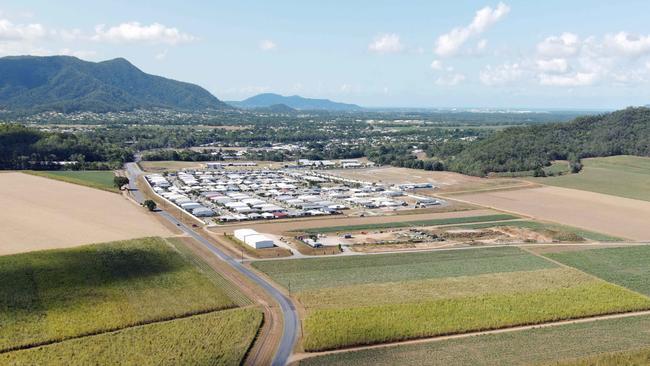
99	179
433	222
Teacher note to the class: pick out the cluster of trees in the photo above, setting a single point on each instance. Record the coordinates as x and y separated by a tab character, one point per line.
401	155
180	155
28	148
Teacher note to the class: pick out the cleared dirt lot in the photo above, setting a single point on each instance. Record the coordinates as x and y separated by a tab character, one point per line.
621	217
39	213
446	181
280	227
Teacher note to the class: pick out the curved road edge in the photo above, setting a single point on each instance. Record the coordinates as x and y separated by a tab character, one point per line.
289	313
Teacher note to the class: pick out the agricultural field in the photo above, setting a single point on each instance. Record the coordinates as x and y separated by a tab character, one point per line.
624	176
627	266
217	338
59	215
50	296
610	215
100	179
567	344
633	357
381	298
431	222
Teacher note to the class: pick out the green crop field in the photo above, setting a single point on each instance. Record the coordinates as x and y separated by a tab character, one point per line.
100	179
562	231
315	273
628	266
433	222
624	176
218	338
632	357
331	328
534	346
361	300
52	295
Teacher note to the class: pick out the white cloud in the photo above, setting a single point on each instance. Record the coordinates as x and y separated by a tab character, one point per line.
501	75
386	43
450	80
556	65
20	32
161	55
82	54
628	44
448	44
481	45
134	32
436	65
576	79
567	44
267	45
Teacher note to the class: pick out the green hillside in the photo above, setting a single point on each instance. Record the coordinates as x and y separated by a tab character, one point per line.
68	84
624	132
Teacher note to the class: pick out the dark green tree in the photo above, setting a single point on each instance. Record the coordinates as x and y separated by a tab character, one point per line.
120	182
150	204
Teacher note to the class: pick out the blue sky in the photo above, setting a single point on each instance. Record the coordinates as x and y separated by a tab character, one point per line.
517	54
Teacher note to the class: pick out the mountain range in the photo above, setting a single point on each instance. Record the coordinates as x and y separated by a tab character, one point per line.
68	84
266	100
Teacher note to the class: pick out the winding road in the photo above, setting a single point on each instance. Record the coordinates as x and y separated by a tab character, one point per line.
289	313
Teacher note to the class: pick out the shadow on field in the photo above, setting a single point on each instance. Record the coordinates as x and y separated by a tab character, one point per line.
58	278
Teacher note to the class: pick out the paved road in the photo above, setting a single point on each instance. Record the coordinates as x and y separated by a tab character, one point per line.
290	315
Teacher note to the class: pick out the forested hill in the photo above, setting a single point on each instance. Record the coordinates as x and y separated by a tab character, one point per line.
68	84
527	148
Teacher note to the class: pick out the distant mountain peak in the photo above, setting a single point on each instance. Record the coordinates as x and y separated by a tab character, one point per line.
68	84
266	100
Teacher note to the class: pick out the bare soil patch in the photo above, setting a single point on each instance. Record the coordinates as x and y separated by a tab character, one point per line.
39	213
618	216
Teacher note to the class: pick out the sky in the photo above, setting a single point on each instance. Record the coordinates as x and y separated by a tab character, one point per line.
438	54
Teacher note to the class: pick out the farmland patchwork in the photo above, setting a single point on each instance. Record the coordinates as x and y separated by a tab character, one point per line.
382	298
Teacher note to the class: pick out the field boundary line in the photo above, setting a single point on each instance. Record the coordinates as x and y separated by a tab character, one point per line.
305	355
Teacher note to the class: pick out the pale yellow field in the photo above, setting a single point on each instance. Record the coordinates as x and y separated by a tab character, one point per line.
39	213
617	216
445	181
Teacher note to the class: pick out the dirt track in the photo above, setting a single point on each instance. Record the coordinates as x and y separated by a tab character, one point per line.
39	213
617	216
